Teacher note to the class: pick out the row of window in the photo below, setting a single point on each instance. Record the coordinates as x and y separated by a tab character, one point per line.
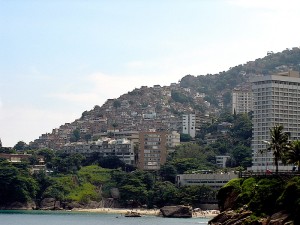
207	181
152	155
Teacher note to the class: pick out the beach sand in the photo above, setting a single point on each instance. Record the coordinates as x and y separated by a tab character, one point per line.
150	212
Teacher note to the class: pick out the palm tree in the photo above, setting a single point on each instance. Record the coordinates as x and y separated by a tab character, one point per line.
278	143
293	153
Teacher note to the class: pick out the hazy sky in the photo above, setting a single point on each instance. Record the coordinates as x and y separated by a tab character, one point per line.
59	58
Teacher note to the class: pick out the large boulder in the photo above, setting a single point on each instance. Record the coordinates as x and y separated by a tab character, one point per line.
72	205
178	211
50	204
279	218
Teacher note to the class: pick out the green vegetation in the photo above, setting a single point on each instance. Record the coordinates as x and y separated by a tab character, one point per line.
180	97
264	196
16	184
293	154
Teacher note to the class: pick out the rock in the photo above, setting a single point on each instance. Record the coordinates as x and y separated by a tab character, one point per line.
50	204
279	218
230	217
178	211
72	205
230	201
20	206
92	205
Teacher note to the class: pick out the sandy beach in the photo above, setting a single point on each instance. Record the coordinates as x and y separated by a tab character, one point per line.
152	212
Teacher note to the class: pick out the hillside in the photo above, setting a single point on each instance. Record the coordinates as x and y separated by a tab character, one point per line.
161	108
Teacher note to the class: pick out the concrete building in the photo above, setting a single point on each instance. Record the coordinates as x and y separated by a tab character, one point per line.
152	150
122	148
213	180
276	102
173	139
242	99
189	124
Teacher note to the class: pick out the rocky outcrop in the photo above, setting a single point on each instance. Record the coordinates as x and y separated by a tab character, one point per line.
231	217
50	204
178	211
19	206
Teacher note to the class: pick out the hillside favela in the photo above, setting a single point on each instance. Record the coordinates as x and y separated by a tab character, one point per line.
219	146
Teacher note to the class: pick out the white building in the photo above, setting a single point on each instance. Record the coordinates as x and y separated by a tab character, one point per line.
122	148
189	124
242	99
213	180
276	102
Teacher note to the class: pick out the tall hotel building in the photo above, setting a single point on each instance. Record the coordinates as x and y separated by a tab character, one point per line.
276	100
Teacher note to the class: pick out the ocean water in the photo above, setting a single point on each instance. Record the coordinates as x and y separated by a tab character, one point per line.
19	217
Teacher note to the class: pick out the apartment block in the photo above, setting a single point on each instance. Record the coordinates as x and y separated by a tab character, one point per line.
122	148
173	139
276	101
242	99
152	150
189	124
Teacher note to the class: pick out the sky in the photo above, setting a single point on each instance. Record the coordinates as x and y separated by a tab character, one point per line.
59	58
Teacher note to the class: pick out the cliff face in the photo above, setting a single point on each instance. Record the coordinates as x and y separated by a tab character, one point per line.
256	201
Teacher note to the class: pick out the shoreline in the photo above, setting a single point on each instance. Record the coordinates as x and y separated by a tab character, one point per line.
146	212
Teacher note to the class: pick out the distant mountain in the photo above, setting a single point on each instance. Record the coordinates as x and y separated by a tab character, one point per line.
161	108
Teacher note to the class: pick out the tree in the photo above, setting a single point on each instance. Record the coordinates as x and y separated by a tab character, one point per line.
15	184
293	153
111	162
117	104
75	136
87	137
278	143
20	146
168	172
242	156
164	193
47	153
185	137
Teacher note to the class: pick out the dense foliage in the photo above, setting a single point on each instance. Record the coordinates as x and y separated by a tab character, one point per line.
264	196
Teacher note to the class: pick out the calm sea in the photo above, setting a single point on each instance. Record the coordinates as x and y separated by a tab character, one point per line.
20	217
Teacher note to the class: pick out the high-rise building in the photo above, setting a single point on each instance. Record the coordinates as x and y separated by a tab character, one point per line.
189	124
152	150
242	99
276	101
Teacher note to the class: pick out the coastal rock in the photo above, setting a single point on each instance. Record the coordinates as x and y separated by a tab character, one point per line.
230	217
50	204
92	205
178	211
279	218
229	201
72	205
20	206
